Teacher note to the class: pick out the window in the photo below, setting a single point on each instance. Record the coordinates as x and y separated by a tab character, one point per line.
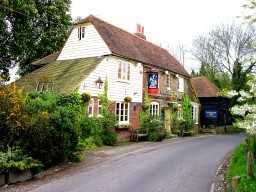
124	71
195	111
44	86
81	32
99	109
154	109
122	112
90	108
168	81
180	115
180	84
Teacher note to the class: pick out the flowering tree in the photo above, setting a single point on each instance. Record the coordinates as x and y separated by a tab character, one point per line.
245	112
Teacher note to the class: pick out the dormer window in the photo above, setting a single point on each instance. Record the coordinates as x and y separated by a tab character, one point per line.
44	86
81	32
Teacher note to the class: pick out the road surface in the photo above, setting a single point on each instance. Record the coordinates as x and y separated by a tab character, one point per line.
184	165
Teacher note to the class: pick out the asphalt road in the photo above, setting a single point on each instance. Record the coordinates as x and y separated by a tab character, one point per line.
186	165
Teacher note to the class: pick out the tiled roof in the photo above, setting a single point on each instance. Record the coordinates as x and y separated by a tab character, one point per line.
46	60
204	87
66	75
123	43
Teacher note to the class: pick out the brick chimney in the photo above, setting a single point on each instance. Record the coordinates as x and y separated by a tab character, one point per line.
140	31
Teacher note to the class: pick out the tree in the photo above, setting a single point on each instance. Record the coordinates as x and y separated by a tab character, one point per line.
250	6
223	47
194	73
31	29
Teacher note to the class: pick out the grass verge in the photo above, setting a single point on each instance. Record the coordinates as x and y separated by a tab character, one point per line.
237	167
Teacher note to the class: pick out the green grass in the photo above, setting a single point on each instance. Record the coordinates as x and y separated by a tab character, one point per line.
238	168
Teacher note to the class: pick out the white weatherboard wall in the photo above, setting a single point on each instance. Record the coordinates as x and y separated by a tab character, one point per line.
117	89
90	46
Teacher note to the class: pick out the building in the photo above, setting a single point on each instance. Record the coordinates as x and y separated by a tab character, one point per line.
97	51
214	107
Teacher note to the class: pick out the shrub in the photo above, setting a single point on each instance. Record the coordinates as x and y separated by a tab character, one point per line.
86	97
108	119
11	115
155	131
109	138
15	159
90	127
187	114
86	144
52	130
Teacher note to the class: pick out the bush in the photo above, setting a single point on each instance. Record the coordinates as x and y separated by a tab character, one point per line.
90	127
11	115
155	130
15	159
53	127
86	144
109	138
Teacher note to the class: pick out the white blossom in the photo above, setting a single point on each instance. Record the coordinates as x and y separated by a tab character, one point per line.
247	110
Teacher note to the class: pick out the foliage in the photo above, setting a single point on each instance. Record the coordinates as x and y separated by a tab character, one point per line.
86	144
31	29
11	115
239	78
127	99
108	119
155	130
174	117
218	53
90	127
145	112
250	7
52	132
109	138
238	168
86	97
187	113
245	110
15	159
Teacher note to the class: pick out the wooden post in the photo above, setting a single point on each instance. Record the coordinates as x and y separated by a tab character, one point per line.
250	164
235	183
245	150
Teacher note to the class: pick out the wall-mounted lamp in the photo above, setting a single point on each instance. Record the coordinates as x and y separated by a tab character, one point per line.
99	83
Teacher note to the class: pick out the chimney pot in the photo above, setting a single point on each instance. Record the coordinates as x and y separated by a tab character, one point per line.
140	31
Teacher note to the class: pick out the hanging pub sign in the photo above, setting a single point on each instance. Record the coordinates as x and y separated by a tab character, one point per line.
153	83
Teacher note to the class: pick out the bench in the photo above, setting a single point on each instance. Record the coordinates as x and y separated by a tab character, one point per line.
136	134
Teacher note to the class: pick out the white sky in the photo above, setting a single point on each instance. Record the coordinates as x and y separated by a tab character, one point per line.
166	22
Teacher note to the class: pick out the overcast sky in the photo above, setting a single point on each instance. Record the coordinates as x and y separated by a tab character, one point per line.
166	22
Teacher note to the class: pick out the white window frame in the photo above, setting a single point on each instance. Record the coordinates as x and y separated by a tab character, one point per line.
154	109
168	82
180	113
181	84
81	32
195	113
90	105
121	117
99	109
124	71
44	86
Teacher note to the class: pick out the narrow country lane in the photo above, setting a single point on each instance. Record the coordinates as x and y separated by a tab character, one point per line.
185	165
